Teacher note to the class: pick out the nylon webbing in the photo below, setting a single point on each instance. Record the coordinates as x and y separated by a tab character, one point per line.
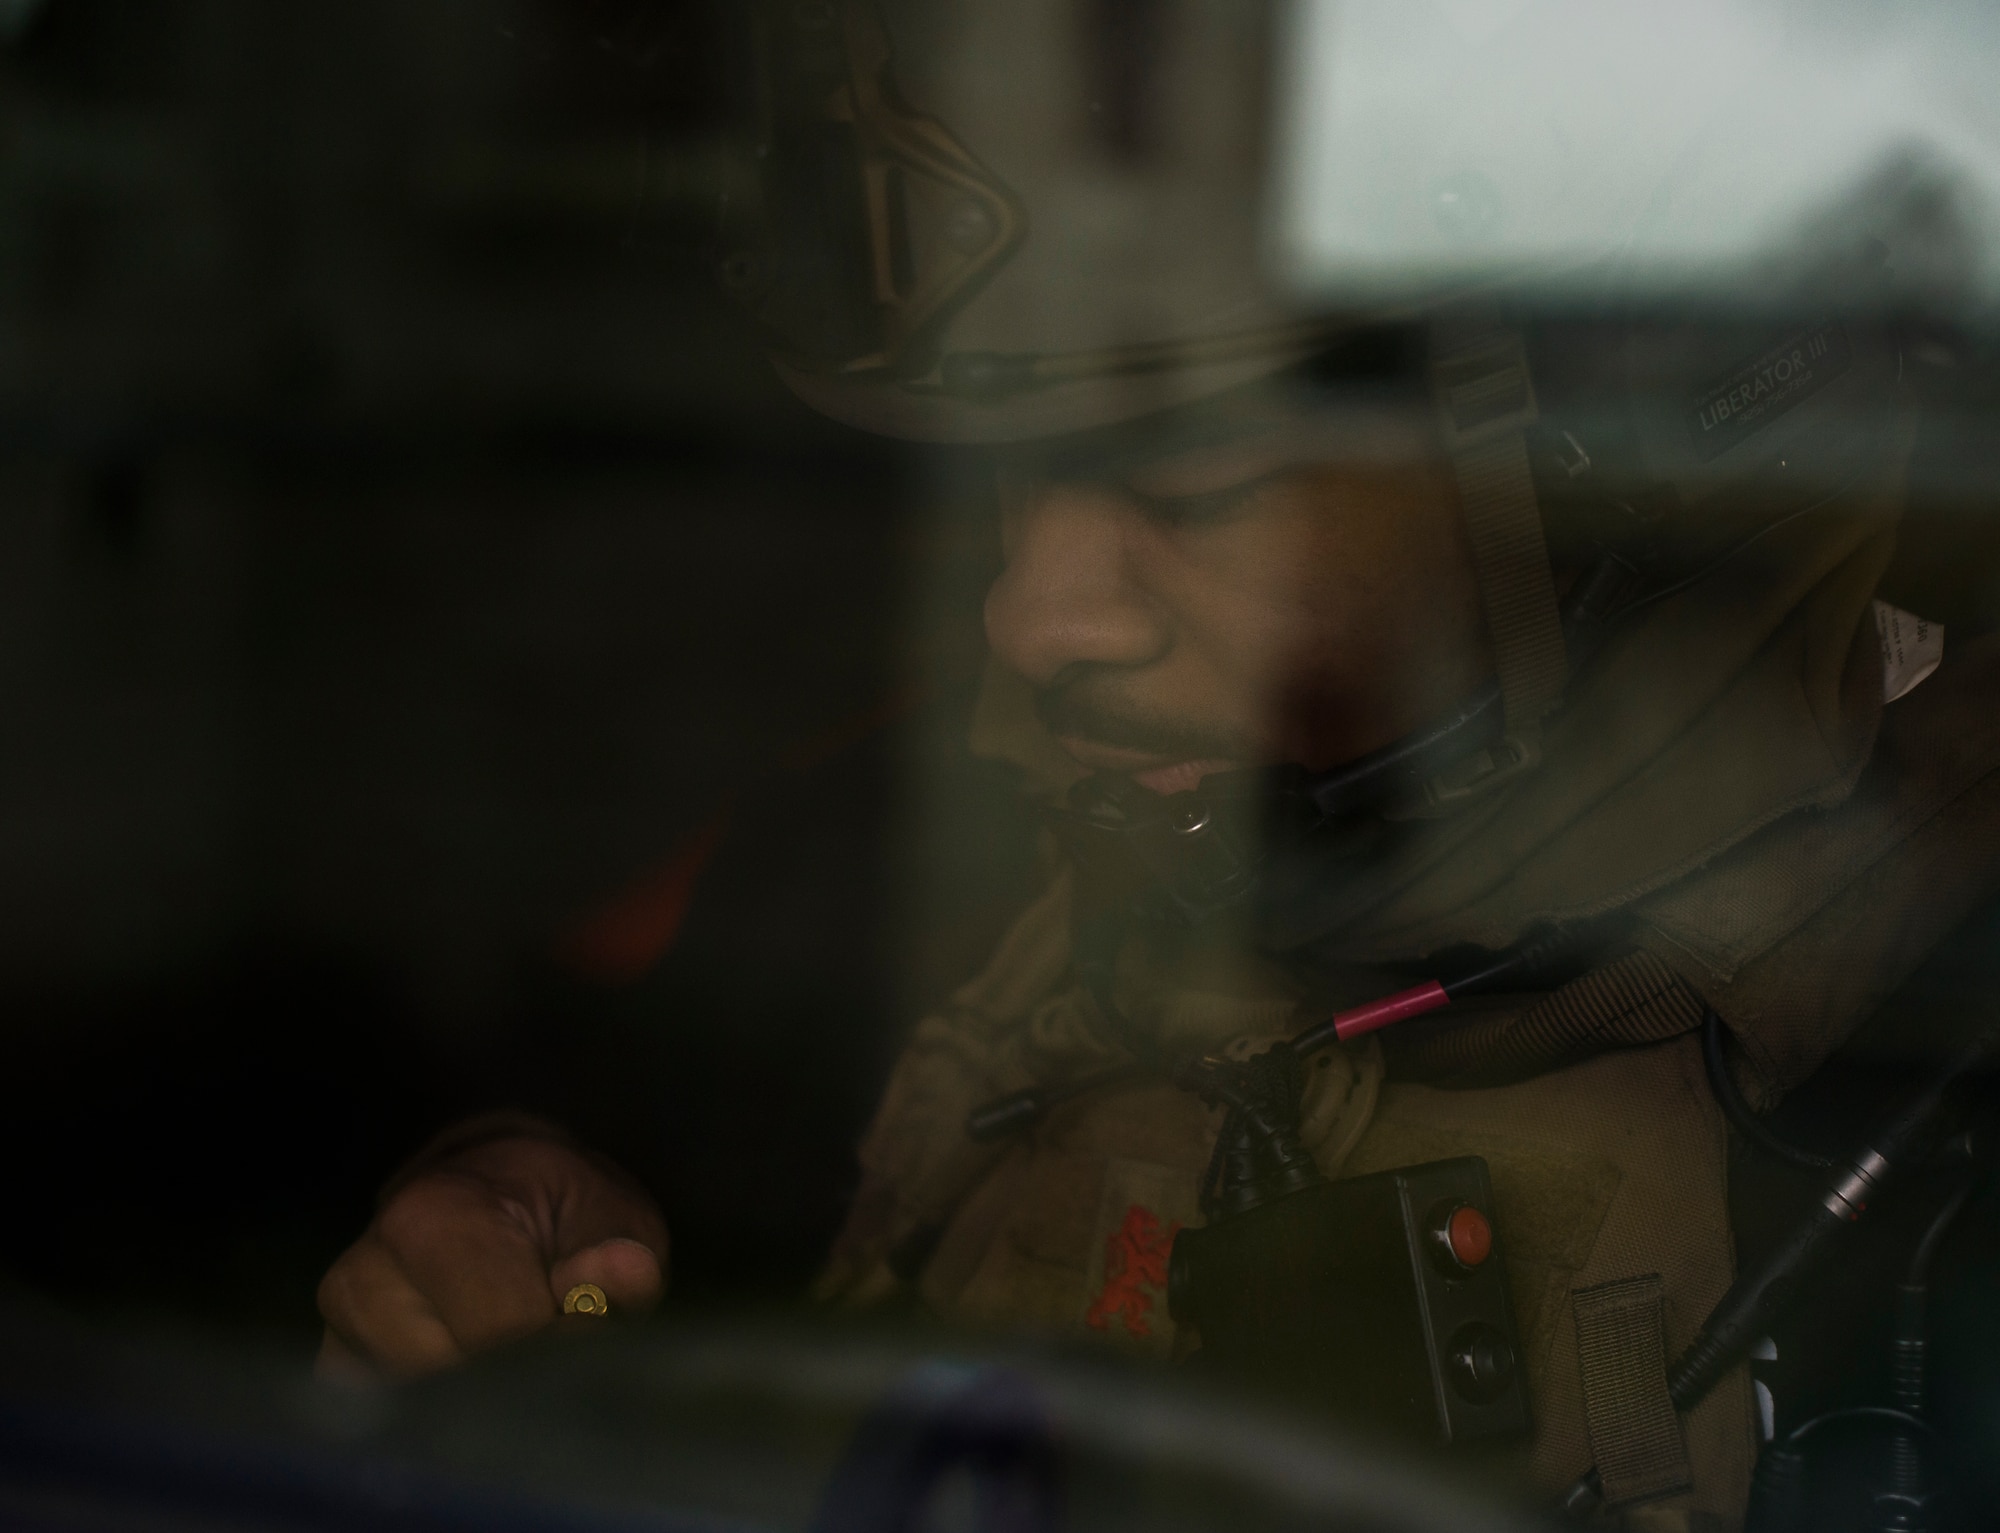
1634	1431
1487	401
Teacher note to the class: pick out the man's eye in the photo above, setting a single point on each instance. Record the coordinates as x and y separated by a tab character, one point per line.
1209	506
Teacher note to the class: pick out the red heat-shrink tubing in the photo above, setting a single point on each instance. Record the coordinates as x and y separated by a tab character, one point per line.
1428	996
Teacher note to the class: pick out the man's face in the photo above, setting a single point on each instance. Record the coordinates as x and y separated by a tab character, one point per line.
1189	612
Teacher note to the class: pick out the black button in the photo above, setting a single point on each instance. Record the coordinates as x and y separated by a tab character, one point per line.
1481	1362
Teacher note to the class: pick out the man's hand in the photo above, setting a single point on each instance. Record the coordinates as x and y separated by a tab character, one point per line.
478	1247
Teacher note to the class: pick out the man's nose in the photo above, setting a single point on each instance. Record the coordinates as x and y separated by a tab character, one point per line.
1072	590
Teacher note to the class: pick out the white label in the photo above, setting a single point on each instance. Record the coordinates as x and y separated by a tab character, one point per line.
1912	648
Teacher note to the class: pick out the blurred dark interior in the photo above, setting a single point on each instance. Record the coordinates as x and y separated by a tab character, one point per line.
442	668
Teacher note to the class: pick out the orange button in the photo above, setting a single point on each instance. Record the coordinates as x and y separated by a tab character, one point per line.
1469	1235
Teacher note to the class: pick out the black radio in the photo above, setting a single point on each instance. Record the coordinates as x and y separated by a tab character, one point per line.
1381	1298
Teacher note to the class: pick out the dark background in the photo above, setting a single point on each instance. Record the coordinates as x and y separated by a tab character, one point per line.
405	554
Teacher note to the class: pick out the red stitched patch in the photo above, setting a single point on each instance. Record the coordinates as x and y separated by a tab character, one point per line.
1135	1260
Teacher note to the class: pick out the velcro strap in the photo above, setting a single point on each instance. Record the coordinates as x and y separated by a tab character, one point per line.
1634	1430
1487	401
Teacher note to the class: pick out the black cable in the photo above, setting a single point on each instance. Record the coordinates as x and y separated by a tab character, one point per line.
1918	1274
1781	1490
1738	1111
1007	1115
1542	950
1854	1412
1909	1343
1763	1292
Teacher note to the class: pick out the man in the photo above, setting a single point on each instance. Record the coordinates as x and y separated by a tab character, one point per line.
1417	687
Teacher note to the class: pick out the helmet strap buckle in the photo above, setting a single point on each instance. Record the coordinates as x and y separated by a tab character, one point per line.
1514	754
